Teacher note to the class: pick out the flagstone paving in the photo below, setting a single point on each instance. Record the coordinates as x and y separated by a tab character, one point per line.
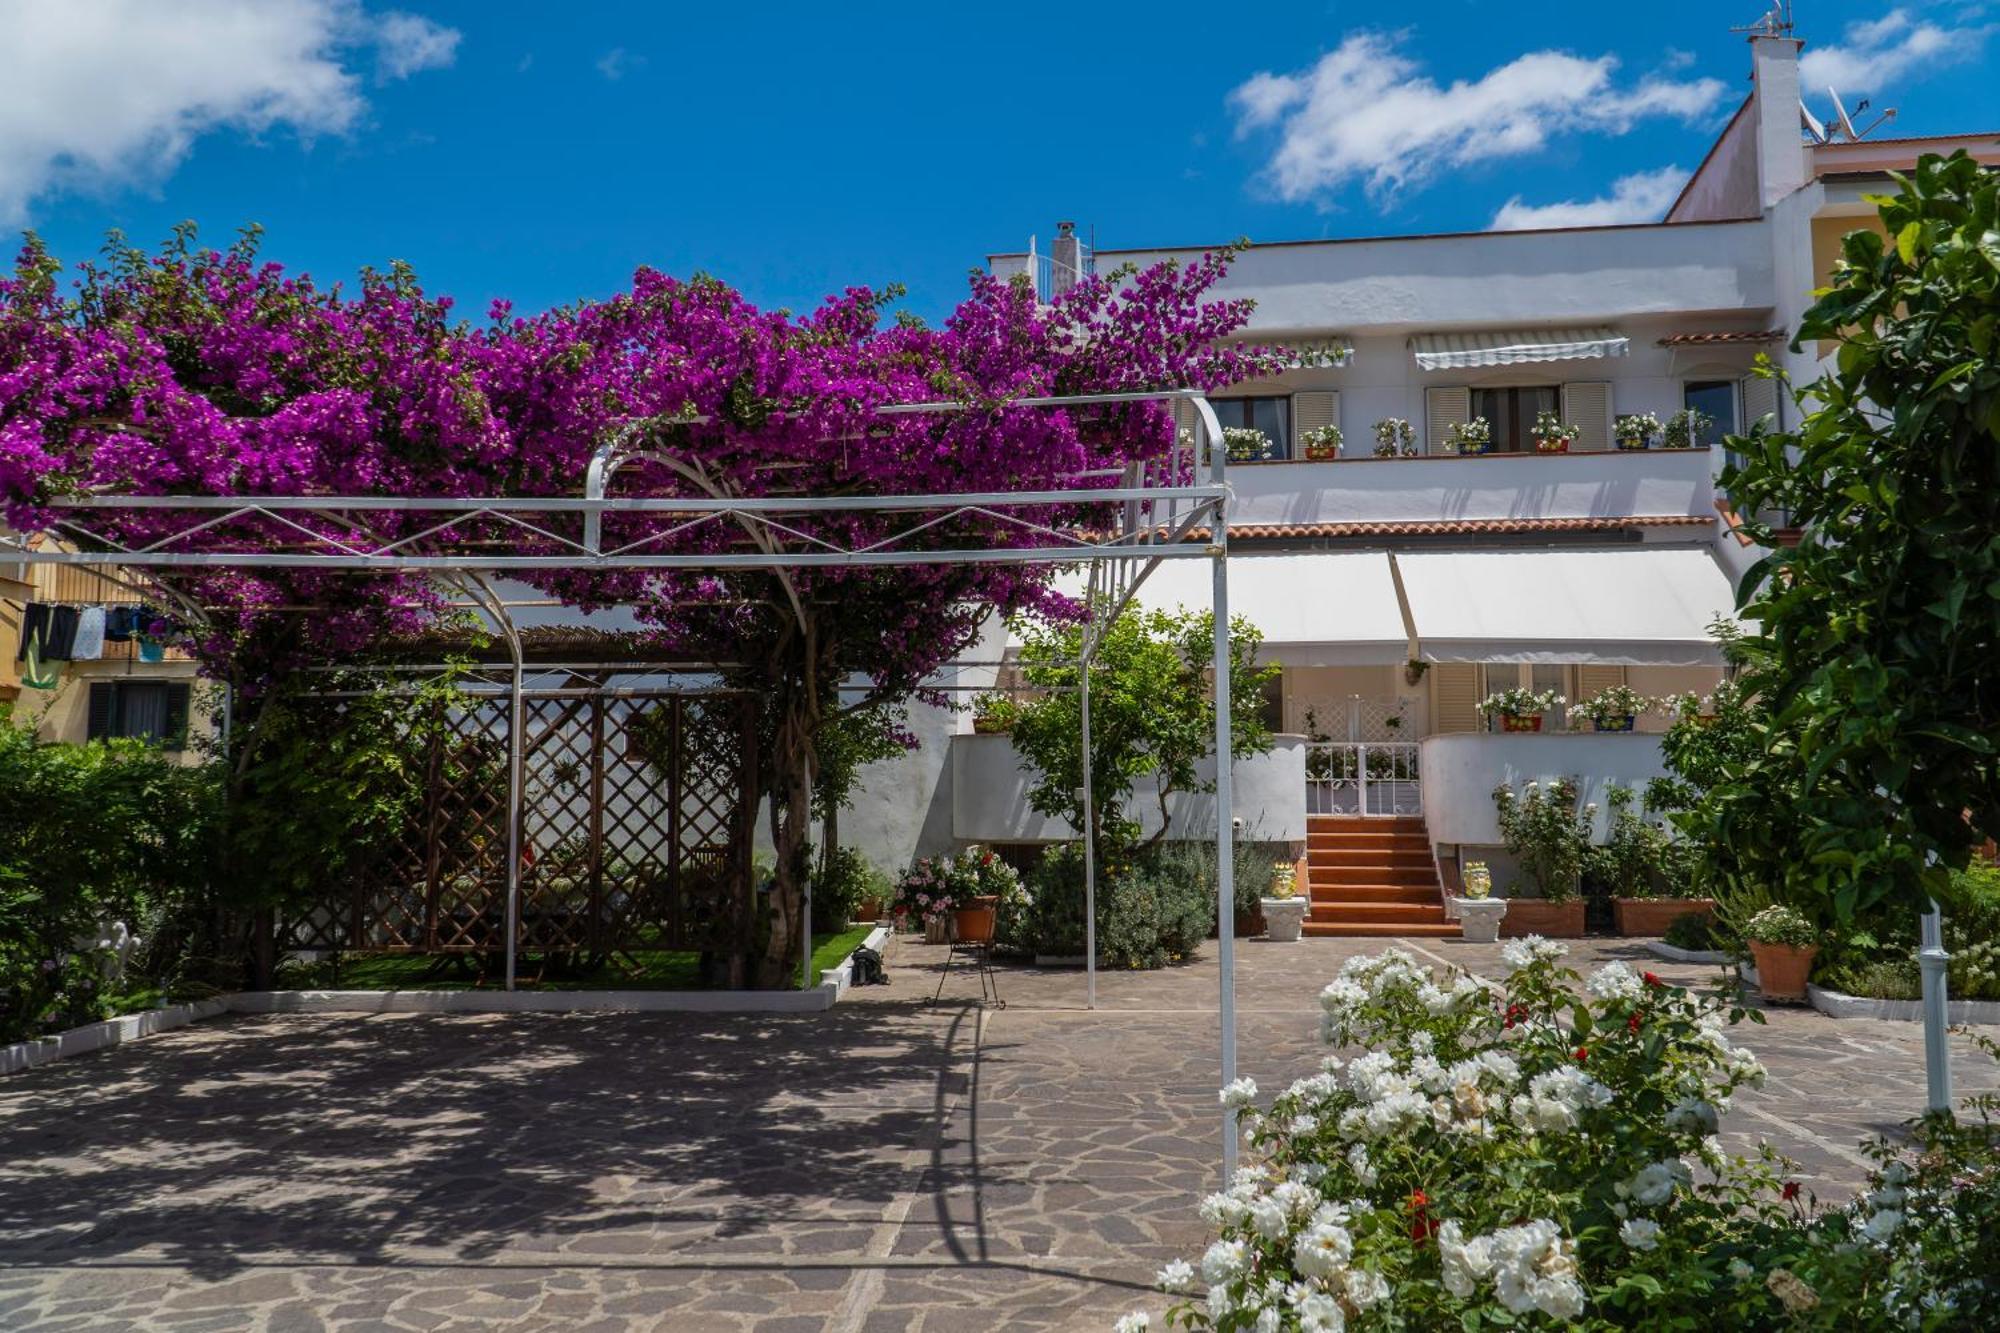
886	1167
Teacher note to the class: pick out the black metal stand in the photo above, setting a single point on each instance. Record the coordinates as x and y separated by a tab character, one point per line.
980	954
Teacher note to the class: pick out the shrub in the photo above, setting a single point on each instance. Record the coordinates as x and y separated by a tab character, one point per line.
1152	910
1781	925
1696	931
935	887
1543	827
844	882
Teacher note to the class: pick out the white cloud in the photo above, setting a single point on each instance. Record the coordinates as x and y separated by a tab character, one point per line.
1875	54
410	43
1367	112
616	63
1641	197
114	93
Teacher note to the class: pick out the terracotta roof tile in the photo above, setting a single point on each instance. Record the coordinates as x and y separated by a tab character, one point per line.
1452	527
1731	336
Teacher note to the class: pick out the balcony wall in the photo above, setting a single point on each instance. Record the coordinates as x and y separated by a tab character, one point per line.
1460	771
1581	485
989	796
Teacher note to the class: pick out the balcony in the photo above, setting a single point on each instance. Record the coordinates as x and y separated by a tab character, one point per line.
1459	772
989	796
1658	483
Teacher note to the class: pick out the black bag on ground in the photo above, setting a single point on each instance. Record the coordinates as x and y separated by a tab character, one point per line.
868	969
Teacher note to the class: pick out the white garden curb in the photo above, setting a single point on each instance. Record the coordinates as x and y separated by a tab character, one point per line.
1834	1004
833	984
1661	949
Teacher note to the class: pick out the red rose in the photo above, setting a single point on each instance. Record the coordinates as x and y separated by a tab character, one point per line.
1633	1022
1790	1191
1582	1054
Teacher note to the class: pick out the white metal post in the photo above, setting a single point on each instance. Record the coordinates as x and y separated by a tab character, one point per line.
1225	804
1933	961
514	764
1089	852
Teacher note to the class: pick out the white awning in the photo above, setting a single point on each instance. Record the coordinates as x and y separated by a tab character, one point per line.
1325	608
1511	347
1629	607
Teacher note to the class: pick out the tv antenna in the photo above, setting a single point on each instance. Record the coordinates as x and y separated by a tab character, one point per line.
1777	22
1846	122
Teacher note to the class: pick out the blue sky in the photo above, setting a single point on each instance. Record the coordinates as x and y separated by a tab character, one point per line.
542	152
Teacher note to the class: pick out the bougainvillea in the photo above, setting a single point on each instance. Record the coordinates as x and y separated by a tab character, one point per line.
206	372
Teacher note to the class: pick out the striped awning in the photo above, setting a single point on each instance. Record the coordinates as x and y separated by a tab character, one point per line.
1512	347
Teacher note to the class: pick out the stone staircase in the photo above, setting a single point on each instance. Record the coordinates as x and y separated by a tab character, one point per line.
1372	877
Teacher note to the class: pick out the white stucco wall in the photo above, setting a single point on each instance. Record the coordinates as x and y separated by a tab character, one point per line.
1460	771
989	786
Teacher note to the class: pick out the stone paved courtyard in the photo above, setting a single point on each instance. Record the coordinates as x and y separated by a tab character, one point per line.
885	1167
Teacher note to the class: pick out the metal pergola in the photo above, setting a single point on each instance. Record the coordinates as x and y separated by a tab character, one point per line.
1155	512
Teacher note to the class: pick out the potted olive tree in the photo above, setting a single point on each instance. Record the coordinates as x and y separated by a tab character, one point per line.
1545	830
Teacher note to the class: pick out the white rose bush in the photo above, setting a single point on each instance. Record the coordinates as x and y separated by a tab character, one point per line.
1542	1153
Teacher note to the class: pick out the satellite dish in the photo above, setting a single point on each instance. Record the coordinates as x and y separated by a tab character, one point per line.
1846	125
1811	124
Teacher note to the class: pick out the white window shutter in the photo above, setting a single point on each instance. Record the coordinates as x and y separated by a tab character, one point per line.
1310	411
1455	696
1587	406
1760	400
1443	409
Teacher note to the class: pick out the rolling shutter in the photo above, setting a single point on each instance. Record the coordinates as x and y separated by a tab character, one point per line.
1444	408
1587	406
103	698
1760	400
1454	696
1310	411
1593	678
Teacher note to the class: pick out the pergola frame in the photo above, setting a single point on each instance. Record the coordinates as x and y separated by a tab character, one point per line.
1154	524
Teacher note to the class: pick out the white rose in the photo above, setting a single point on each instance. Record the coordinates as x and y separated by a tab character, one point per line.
1177	1276
1136	1322
1640	1233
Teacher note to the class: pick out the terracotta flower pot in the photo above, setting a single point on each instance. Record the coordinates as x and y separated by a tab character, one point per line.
1523	722
1320	453
1552	446
1652	916
1782	969
1539	916
974	921
990	726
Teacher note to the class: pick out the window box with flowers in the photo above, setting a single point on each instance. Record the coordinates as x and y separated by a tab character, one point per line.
1614	709
1469	437
1552	434
1395	438
1519	709
1320	444
1783	944
1247	444
1636	431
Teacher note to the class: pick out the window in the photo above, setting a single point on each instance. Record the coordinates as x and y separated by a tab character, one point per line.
1498	676
1716	400
140	709
1273	416
1512	412
1271	704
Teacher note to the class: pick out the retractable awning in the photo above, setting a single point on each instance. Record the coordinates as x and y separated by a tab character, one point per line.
1325	608
1617	608
1510	347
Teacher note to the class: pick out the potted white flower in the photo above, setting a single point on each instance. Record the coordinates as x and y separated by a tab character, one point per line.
1469	437
1247	444
1552	434
1320	443
1519	709
1614	709
1285	909
1395	438
1784	944
1636	431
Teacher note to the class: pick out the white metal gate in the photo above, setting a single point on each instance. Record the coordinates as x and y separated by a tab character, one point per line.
1371	778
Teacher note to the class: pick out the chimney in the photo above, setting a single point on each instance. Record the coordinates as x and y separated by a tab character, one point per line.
1784	162
1065	260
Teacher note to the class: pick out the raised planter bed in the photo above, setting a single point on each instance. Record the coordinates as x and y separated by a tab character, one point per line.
1538	916
1675	954
1835	1004
1652	916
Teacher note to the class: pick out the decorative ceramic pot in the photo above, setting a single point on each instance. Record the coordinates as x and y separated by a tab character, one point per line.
1478	880
1551	446
1652	916
1615	722
1633	446
1320	453
1782	970
1485	448
1521	722
975	920
1539	916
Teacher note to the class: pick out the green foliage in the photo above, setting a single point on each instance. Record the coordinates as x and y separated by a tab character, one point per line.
1881	960
1880	630
1781	925
1153	909
1696	931
846	741
845	880
1546	830
1151	714
95	834
1629	858
1519	702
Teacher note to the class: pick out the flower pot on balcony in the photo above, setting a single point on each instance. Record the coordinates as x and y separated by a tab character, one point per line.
1652	916
1615	722
1551	446
1782	970
1485	448
1522	722
1284	917
973	923
1539	916
1633	446
1319	452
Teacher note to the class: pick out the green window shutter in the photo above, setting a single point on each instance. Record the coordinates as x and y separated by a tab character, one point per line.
103	710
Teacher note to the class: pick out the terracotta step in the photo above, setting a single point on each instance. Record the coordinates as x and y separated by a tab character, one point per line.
1336	839
1367	823
1370	856
1411	912
1337	875
1376	893
1377	929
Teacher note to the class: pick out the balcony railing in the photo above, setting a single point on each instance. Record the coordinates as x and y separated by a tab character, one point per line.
1378	779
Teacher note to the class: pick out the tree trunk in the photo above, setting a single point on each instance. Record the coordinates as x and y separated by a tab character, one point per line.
791	823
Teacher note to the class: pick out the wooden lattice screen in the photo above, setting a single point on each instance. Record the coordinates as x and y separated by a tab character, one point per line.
636	821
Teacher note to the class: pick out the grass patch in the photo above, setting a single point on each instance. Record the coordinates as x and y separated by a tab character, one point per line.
645	969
